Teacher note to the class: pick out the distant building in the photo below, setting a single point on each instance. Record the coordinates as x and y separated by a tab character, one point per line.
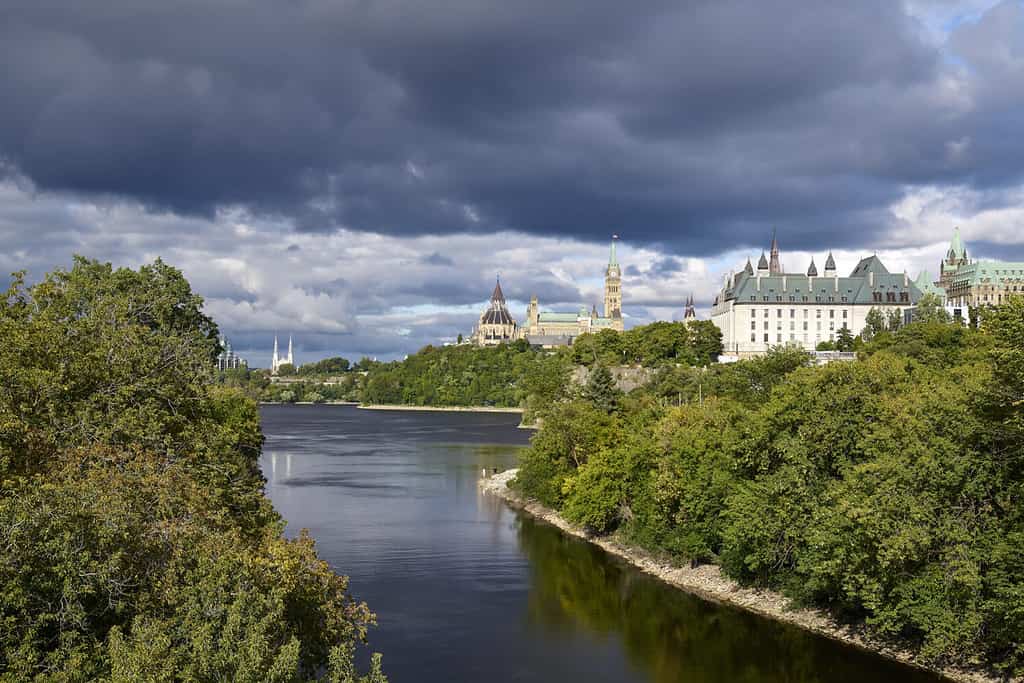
548	329
691	312
496	324
276	361
967	283
757	310
227	359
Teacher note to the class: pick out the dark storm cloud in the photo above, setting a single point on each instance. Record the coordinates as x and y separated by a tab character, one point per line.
436	259
698	125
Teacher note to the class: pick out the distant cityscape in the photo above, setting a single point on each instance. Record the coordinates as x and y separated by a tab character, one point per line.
757	308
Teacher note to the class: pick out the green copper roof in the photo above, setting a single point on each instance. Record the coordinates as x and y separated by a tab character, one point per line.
990	272
927	286
956	246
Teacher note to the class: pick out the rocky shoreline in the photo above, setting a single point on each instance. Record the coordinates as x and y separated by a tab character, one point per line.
708	582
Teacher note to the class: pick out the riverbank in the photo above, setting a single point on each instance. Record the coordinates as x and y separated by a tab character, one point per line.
441	409
708	582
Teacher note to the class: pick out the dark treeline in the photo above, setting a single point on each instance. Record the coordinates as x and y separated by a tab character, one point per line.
886	490
136	540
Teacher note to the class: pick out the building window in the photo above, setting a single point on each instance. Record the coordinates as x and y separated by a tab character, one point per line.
753	337
831	313
817	313
805	326
753	312
779	312
806	313
792	313
766	324
765	337
844	315
753	324
780	338
792	325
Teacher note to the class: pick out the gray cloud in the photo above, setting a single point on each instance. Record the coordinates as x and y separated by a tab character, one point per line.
696	125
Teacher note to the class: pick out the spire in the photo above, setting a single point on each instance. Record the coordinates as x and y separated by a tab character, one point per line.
290	350
748	269
775	266
956	247
762	263
690	311
612	261
813	270
497	296
830	264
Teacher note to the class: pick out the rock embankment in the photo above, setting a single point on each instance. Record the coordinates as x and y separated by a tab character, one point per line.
708	582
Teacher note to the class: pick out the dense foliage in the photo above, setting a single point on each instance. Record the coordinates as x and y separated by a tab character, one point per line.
137	542
889	490
467	375
696	342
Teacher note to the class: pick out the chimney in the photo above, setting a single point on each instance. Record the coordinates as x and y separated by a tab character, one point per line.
837	283
906	278
783	283
871	278
759	282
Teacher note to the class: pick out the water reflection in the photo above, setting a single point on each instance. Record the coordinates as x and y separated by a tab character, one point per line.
466	590
674	636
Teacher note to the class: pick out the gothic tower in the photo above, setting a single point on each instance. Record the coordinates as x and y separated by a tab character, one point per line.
691	312
774	265
613	288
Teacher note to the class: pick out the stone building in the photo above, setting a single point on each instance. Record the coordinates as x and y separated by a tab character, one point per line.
227	359
967	283
276	361
759	309
496	325
548	329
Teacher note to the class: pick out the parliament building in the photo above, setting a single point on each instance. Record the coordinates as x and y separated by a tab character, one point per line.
548	329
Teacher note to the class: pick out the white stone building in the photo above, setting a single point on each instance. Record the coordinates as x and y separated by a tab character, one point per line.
768	307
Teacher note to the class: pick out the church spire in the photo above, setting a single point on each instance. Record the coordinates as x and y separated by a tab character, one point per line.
775	266
690	313
612	260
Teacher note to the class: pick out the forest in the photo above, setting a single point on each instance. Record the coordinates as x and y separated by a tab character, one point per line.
888	490
137	541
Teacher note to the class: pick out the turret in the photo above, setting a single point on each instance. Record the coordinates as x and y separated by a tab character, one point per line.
690	313
830	266
812	271
762	264
748	269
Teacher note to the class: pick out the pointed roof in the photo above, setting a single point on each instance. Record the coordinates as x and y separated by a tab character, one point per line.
869	264
830	263
748	269
762	263
497	294
956	245
813	270
774	265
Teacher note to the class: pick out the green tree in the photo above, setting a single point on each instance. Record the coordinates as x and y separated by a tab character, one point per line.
138	544
929	309
601	390
874	323
845	340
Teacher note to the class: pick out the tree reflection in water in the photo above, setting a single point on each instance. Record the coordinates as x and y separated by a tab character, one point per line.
673	636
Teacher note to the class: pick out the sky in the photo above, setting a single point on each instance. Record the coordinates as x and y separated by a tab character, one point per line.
356	173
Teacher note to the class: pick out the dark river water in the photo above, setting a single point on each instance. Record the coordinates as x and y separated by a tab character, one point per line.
465	589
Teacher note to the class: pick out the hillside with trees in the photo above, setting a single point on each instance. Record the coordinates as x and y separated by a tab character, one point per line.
137	541
889	490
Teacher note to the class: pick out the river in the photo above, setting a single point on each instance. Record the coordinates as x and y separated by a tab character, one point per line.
465	589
